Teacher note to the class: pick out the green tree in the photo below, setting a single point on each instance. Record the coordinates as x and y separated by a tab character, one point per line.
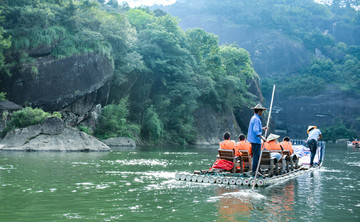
5	43
338	131
152	128
113	122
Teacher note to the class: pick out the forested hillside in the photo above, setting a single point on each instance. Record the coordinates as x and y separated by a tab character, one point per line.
307	49
161	75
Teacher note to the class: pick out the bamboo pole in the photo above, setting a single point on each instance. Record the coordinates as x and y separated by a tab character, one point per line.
262	147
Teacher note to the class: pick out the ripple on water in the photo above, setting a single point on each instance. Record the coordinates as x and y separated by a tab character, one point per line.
140	162
87	185
149	174
325	169
72	216
353	164
7	167
181	153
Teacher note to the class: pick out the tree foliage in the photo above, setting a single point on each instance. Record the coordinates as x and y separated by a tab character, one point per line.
161	73
338	131
113	122
27	117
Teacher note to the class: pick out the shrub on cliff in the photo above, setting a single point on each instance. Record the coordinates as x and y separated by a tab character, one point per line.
113	122
27	117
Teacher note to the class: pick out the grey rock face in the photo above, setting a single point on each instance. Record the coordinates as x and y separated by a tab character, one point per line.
55	84
212	125
51	135
119	141
293	115
52	126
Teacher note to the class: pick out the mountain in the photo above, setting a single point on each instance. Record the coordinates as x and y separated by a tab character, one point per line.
309	50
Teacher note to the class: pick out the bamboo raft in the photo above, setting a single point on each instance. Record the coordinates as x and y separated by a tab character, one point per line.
241	179
244	179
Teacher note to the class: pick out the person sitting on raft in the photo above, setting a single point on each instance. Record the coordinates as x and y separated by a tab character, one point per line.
228	144
243	144
287	145
272	145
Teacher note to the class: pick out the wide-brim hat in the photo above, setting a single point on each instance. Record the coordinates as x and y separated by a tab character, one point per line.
258	106
311	127
272	137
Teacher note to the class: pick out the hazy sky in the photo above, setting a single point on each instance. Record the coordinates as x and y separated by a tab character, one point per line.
135	3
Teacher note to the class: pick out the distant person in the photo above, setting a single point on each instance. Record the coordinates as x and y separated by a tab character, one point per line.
287	145
228	144
273	145
255	135
312	141
243	144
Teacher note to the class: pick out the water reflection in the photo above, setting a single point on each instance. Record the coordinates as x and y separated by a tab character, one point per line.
233	205
274	204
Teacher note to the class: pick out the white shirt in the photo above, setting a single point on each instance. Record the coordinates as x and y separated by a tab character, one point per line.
314	134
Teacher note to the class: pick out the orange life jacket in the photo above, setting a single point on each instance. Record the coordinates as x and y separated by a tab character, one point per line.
287	146
244	145
272	145
229	145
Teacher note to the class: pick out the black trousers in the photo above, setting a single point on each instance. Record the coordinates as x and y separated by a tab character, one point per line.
255	150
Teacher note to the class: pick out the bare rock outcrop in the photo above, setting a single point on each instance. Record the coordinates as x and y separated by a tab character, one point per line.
119	141
51	135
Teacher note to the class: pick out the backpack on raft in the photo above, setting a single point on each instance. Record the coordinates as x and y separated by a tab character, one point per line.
223	164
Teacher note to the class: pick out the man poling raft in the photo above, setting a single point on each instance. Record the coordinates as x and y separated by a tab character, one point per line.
229	168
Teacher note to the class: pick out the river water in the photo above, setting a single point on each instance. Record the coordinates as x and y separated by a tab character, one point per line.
137	184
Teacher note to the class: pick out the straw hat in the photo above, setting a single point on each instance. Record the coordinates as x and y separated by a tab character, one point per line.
272	137
311	127
258	106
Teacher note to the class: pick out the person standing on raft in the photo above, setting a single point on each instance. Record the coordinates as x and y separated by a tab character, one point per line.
255	135
312	140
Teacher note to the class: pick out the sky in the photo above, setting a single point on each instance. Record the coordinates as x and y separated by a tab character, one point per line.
136	3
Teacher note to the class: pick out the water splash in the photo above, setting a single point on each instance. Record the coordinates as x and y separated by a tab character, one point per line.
240	194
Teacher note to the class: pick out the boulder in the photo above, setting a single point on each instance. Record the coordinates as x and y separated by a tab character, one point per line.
54	84
9	106
119	141
51	135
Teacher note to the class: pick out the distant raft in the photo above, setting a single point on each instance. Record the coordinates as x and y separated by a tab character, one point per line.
278	173
353	144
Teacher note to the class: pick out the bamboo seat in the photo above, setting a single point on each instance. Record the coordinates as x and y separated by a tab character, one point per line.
247	160
269	163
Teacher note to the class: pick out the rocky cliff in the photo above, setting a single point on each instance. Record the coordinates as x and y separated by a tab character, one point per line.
211	125
292	115
73	85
